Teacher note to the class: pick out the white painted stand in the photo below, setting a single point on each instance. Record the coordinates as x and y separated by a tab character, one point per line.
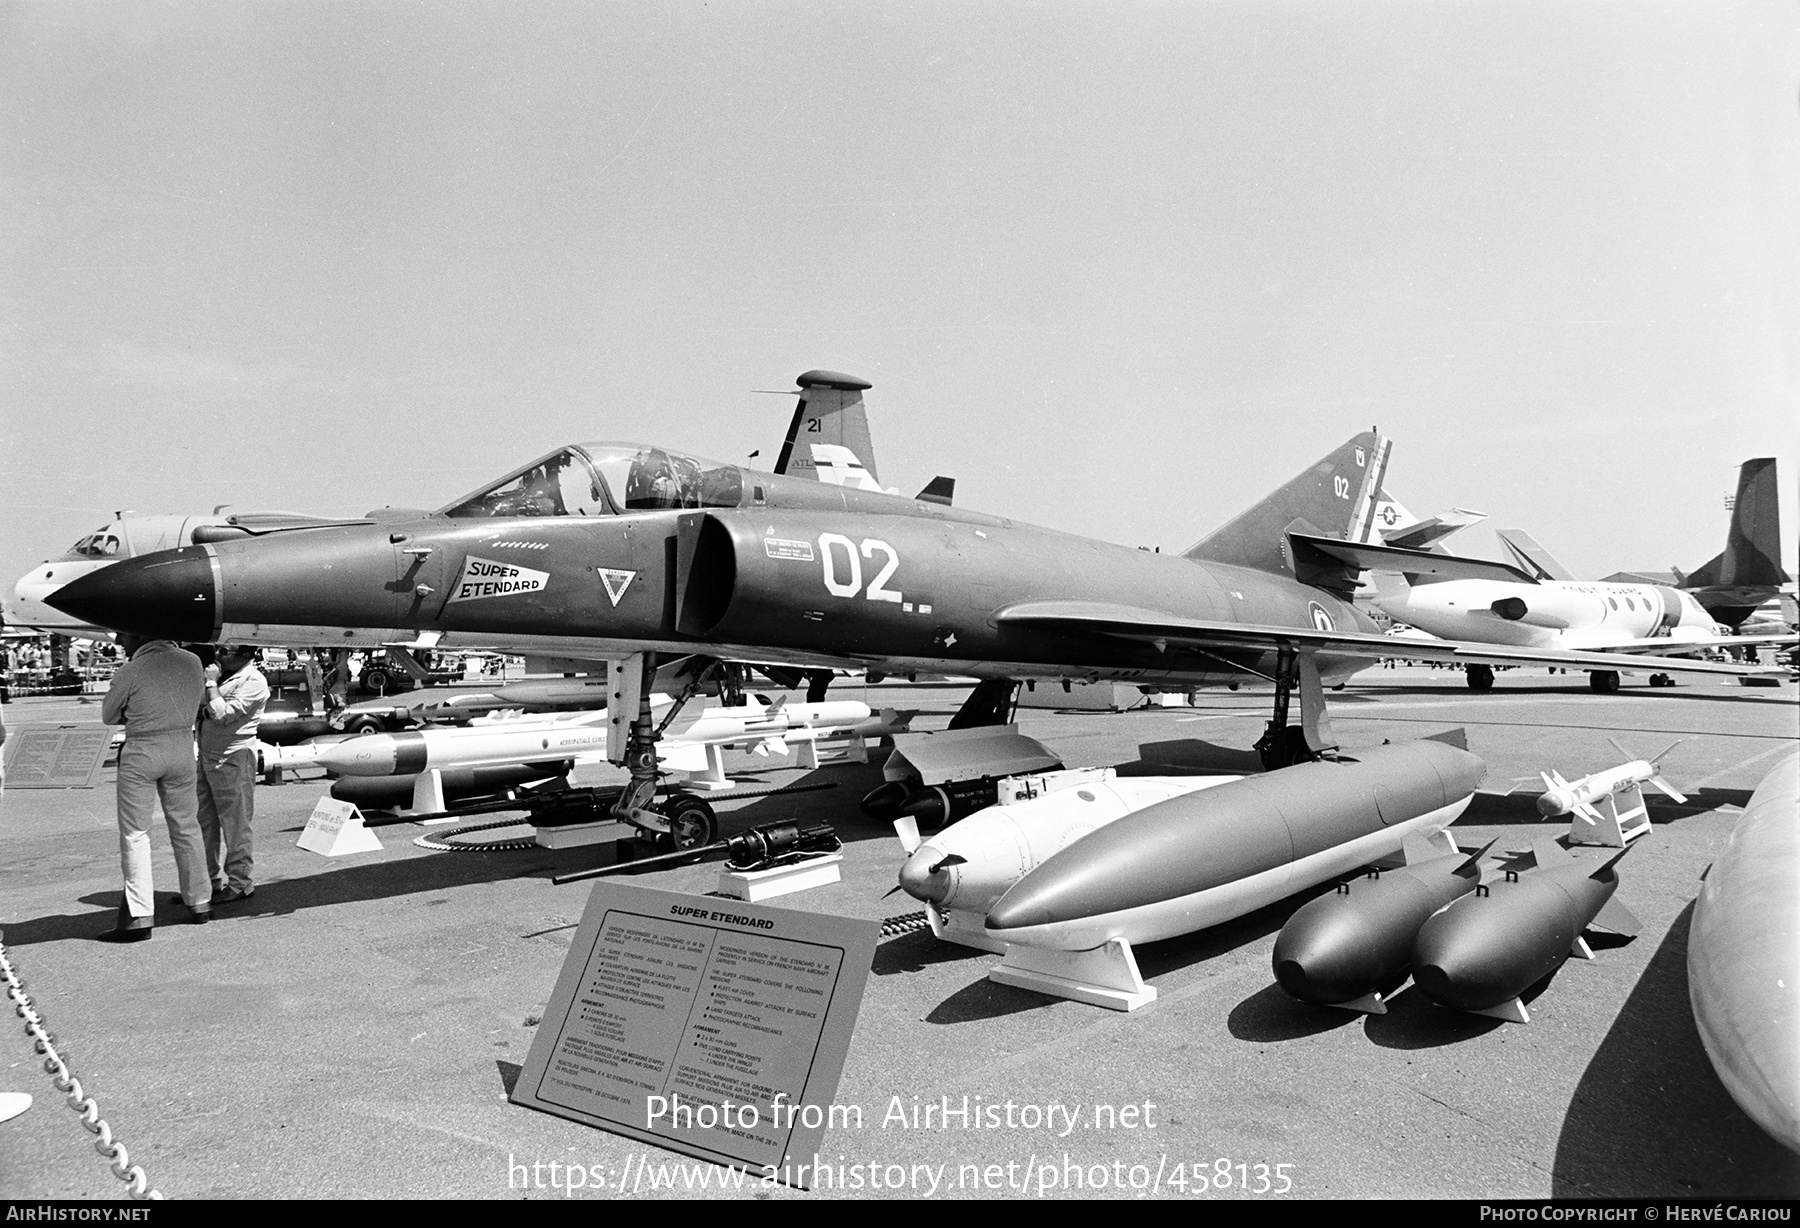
754	885
428	798
576	835
336	828
1105	976
712	776
1512	1011
1371	1003
1622	816
854	749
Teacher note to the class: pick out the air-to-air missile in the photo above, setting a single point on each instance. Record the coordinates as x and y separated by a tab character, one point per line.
1607	807
1197	860
1352	947
1491	945
959	873
1743	957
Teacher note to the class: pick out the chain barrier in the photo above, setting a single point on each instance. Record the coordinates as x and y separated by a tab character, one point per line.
79	1101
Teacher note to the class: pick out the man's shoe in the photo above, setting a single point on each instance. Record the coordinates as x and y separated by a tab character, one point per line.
200	916
131	933
231	895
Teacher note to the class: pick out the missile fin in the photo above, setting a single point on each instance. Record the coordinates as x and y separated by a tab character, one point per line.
1458	737
1657	758
1667	788
1618	918
1549	853
1419	848
1472	867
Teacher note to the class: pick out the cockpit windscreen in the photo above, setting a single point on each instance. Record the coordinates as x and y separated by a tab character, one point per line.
602	479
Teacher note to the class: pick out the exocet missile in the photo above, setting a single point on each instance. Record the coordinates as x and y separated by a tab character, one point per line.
1351	947
1487	948
1606	807
1199	860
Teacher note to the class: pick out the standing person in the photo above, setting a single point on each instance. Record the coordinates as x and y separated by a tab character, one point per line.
236	693
155	695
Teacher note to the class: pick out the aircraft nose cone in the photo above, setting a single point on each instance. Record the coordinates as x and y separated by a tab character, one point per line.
166	595
917	880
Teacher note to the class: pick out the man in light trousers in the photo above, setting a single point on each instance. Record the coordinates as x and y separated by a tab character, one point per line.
236	694
155	695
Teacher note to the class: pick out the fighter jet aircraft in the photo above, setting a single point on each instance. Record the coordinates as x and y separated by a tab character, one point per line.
626	551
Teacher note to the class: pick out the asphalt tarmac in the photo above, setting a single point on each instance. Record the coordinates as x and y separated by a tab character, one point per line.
352	1030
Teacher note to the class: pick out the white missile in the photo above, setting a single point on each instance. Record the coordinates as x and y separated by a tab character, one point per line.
1607	807
962	870
577	735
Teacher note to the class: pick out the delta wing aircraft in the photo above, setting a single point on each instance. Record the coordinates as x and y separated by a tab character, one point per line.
625	551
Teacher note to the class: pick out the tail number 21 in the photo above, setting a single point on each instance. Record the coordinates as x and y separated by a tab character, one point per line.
850	587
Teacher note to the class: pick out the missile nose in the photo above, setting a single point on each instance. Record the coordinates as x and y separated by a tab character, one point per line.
166	595
1554	802
917	877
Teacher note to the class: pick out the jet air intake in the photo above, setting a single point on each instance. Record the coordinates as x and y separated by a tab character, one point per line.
1510	608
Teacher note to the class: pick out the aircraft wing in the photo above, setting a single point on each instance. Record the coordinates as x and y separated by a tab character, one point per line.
1158	627
1668	647
1370	557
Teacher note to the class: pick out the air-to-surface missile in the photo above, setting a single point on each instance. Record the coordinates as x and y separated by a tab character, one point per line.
1351	947
1743	957
1198	860
962	870
1487	948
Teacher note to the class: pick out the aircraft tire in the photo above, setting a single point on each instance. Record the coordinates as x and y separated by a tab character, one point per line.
362	724
691	823
1481	677
1605	681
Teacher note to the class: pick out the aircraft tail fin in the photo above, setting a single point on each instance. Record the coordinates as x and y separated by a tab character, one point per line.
1334	498
829	435
1753	543
1531	556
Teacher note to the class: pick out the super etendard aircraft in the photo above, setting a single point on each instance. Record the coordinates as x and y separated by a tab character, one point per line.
623	552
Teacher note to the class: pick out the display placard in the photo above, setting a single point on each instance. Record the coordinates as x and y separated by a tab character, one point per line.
56	757
709	1026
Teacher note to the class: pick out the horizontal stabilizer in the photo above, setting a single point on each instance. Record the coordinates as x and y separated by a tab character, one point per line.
1427	533
1413	562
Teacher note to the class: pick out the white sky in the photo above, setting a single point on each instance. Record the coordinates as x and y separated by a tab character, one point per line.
1119	268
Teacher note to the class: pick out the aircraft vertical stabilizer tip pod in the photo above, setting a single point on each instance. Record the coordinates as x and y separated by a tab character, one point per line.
1488	947
1747	1011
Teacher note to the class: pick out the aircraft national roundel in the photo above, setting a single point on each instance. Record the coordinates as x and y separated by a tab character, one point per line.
1321	617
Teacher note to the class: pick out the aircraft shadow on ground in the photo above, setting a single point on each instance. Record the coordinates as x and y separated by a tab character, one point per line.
1649	1117
1191	757
920	950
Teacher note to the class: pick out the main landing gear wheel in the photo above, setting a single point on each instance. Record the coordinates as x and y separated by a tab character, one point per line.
1661	680
691	823
1481	677
1605	681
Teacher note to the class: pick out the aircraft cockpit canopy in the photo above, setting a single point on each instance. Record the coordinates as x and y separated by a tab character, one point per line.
101	544
604	479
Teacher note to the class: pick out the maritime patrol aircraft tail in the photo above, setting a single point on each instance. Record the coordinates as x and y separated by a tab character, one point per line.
1335	498
829	435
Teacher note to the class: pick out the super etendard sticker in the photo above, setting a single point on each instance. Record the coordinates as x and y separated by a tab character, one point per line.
485	578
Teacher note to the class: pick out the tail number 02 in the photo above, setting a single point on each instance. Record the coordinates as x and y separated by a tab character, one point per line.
1340	486
870	547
